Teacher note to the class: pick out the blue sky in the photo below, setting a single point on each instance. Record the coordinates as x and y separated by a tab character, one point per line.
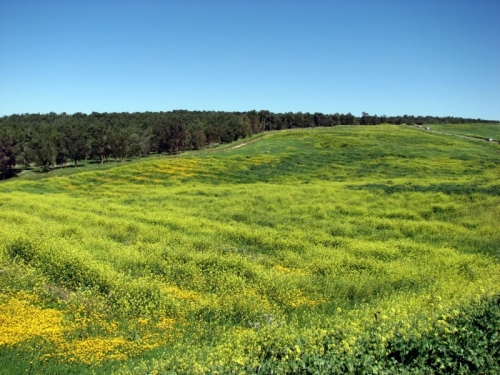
426	57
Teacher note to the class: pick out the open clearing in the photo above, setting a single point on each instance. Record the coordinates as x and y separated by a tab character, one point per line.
304	249
470	130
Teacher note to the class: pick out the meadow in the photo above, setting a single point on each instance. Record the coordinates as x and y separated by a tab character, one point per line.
353	249
472	130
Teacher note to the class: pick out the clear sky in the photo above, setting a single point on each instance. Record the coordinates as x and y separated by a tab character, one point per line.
392	57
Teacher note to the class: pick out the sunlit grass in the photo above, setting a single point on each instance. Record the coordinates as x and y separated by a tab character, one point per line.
213	259
473	130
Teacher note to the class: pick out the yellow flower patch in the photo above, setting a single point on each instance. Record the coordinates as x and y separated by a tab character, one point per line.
181	168
20	321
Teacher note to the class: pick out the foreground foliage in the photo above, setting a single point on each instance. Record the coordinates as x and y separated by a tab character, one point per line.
351	249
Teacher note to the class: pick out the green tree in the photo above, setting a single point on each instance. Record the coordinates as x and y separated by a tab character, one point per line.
8	150
119	144
198	138
61	156
44	148
100	134
145	142
244	126
254	121
75	143
134	145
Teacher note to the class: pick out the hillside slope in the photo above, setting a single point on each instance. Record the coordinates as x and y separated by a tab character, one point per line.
304	244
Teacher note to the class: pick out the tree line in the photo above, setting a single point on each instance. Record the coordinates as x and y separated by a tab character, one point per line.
51	140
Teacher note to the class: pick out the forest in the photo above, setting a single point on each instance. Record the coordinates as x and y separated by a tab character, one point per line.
54	140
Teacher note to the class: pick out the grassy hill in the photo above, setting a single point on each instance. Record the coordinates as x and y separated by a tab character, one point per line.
337	250
482	131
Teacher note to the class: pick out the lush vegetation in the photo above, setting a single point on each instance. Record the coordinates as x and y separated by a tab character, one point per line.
472	130
50	140
349	249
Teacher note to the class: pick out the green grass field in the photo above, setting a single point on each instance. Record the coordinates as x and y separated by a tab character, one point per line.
349	249
473	130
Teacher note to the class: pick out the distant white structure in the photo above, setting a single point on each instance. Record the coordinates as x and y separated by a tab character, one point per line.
489	139
427	128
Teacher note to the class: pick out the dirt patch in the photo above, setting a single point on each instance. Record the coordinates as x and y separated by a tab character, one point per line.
239	146
458	135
